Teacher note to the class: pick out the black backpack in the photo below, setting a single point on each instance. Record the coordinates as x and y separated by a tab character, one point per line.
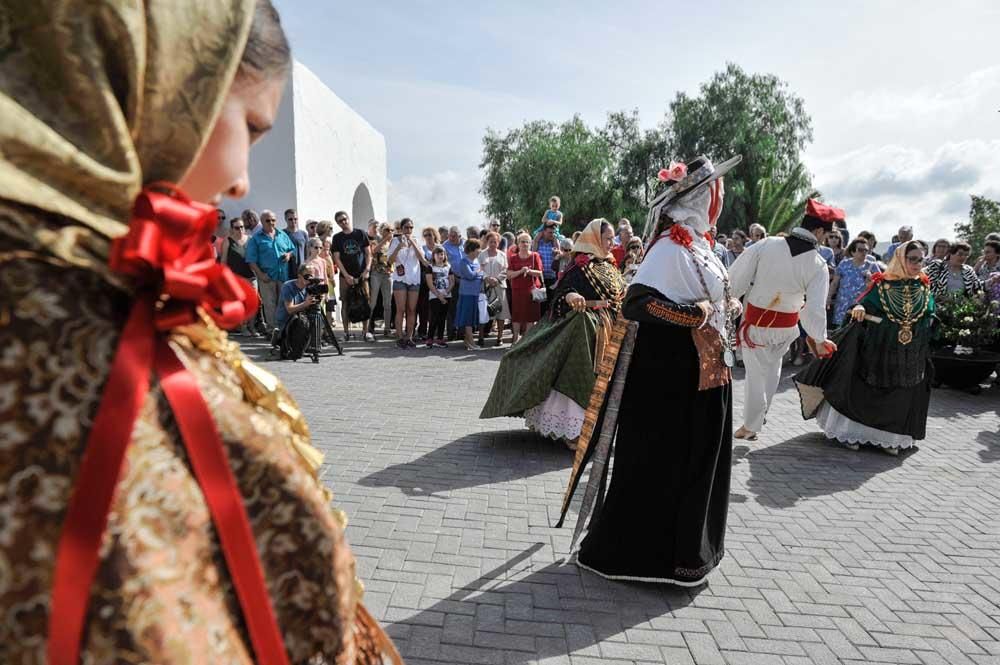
357	304
296	337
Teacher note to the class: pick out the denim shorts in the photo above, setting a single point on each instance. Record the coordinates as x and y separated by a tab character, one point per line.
403	286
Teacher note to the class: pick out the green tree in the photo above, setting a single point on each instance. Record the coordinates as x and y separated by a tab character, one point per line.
525	166
780	202
636	157
984	218
754	115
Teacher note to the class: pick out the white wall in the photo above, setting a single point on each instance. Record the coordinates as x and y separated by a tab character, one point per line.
336	150
315	157
272	166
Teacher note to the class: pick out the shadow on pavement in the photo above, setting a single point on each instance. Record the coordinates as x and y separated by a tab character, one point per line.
476	459
550	612
809	466
990	441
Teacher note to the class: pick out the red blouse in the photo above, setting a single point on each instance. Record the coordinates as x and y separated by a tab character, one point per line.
515	263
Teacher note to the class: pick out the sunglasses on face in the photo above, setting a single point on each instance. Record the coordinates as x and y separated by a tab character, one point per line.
914	260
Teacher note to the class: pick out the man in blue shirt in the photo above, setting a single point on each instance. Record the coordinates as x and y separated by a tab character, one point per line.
268	254
455	248
547	247
293	297
905	235
298	237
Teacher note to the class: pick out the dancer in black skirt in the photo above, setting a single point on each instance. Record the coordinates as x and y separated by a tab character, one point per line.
664	517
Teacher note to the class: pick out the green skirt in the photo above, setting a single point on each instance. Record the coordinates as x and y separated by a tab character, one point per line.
554	355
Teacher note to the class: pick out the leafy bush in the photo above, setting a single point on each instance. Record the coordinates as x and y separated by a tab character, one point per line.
966	320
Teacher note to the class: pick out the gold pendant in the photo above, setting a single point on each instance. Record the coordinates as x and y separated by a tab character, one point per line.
905	335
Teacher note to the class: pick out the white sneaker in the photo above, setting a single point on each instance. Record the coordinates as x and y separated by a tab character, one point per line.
369	337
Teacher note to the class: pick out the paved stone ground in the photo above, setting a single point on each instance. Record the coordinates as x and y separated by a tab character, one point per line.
833	556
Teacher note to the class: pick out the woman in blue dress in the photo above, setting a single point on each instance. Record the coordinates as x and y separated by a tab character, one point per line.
470	285
851	278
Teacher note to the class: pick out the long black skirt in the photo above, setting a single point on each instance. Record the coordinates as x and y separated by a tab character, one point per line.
664	518
839	381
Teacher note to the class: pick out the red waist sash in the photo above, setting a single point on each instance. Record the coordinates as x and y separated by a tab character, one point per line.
763	318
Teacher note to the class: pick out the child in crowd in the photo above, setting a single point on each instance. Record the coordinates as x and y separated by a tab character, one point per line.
553	214
440	282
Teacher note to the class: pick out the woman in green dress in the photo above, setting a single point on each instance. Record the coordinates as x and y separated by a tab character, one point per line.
548	377
876	389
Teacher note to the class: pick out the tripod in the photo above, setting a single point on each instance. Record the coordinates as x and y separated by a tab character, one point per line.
317	326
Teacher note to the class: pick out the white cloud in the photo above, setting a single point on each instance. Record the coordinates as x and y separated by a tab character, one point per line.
445	198
925	105
884	187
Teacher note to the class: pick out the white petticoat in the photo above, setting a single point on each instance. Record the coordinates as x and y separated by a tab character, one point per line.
558	417
838	426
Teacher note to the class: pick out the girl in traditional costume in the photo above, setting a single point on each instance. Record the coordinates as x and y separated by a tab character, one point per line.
548	377
876	388
670	401
160	497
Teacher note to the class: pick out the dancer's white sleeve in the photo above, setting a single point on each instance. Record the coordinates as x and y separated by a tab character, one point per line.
744	269
813	315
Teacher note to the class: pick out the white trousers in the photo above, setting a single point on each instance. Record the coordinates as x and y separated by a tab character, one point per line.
763	365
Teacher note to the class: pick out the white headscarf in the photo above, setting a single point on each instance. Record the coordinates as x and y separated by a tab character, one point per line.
692	210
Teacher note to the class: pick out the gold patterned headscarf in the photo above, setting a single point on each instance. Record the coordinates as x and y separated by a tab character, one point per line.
590	240
98	98
897	266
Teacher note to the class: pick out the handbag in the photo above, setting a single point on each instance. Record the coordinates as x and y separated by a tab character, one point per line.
539	294
493	303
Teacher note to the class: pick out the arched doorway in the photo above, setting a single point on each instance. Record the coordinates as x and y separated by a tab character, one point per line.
361	207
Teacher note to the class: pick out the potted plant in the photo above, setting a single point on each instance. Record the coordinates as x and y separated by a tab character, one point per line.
967	324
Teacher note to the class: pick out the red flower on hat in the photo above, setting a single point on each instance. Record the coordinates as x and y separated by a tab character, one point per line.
676	172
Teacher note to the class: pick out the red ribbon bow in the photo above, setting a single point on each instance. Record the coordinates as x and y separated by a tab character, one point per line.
168	255
168	247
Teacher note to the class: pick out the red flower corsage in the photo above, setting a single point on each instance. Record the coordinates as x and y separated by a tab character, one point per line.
878	277
680	235
924	279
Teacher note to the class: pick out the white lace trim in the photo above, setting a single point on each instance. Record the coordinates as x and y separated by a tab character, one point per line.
838	426
557	417
653	580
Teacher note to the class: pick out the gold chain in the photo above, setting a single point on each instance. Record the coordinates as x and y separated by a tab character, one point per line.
904	309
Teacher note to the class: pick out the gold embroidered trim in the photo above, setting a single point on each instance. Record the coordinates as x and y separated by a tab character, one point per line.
664	312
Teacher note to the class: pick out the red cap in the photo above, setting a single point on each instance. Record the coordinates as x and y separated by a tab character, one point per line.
824	212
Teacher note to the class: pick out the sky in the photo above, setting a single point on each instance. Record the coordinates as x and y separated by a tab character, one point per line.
904	95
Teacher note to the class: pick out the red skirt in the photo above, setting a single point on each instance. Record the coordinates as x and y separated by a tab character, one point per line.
522	308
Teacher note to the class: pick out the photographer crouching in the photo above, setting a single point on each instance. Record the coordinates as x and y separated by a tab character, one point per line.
298	315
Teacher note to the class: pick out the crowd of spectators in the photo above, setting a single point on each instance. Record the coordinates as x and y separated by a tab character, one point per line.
427	287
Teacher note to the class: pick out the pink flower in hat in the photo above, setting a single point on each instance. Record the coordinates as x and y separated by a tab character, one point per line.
675	172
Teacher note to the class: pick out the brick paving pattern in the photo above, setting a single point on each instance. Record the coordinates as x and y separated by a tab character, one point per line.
833	556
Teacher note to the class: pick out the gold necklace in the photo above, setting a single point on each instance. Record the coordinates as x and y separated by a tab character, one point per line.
904	307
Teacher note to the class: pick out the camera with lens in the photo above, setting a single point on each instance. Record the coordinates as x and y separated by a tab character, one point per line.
317	287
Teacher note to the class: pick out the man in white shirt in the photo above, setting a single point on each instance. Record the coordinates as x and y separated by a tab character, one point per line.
785	282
